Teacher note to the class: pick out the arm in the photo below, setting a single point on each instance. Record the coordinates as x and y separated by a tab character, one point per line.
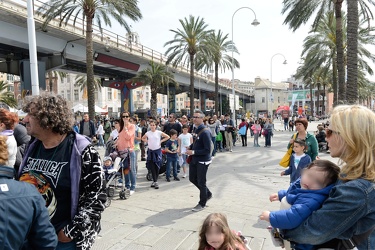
346	205
144	137
90	207
129	132
165	137
138	138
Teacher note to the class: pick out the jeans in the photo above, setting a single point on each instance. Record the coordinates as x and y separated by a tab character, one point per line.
66	246
171	163
197	176
268	138
215	146
130	178
100	140
256	136
244	140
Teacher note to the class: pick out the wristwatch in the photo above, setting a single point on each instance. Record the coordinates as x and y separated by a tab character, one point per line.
193	152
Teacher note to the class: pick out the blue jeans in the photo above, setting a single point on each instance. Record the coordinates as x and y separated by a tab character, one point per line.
268	139
197	176
215	146
100	140
171	163
66	246
130	179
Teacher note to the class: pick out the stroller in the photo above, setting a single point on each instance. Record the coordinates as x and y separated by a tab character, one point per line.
121	165
163	167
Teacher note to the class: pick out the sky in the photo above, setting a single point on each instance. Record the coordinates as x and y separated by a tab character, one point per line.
257	45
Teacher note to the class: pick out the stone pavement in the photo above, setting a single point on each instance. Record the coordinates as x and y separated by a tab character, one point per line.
240	181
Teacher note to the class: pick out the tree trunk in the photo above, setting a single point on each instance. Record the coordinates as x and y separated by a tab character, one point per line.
311	98
334	82
318	99
153	101
192	107
340	52
324	98
217	89
90	69
352	52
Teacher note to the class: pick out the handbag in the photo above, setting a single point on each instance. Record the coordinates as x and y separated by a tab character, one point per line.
188	160
285	161
265	132
242	130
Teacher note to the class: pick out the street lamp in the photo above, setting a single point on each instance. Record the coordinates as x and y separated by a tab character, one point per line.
255	23
271	95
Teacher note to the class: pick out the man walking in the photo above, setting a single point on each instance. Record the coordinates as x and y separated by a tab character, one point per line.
201	158
66	170
87	127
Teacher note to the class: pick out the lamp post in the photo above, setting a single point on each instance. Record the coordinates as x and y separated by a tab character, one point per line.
271	95
255	23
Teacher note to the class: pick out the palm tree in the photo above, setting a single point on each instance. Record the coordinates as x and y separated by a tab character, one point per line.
6	96
218	46
91	11
81	82
300	11
187	42
156	76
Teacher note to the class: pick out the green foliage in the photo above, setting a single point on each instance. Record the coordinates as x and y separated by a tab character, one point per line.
6	96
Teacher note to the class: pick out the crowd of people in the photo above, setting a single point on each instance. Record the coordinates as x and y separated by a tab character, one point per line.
50	153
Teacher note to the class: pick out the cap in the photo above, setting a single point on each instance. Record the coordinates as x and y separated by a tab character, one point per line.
107	158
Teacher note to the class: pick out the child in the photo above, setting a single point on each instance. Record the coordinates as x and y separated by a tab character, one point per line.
184	140
303	197
298	161
172	158
215	234
107	165
256	128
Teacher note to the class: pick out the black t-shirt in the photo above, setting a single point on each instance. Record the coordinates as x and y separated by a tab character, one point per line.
48	170
176	126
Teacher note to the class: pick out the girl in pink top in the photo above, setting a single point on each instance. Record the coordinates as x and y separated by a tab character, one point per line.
215	234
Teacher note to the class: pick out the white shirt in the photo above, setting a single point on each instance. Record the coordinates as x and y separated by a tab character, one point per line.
100	130
185	141
114	134
12	150
153	139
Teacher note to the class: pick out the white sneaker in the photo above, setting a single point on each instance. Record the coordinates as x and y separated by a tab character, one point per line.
132	192
184	176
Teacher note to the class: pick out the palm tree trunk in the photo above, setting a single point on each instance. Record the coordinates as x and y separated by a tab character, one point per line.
311	99
352	63
192	107
340	51
217	89
153	101
334	82
318	99
90	68
324	98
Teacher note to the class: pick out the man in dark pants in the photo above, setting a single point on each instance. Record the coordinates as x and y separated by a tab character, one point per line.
201	159
87	127
143	126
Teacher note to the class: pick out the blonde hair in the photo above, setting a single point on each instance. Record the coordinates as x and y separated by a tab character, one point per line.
355	125
3	150
231	240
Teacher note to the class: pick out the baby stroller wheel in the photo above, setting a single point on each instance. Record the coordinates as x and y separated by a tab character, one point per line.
107	203
125	194
110	191
149	176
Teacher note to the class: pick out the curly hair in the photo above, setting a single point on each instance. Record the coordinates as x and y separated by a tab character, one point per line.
52	111
8	118
3	150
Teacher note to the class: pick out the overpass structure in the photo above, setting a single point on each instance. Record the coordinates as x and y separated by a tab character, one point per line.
117	58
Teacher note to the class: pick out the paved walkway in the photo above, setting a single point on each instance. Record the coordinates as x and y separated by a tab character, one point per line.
240	181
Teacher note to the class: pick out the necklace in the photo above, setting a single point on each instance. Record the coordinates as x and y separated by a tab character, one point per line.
54	152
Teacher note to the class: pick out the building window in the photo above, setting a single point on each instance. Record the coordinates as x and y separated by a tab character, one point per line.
109	94
263	99
76	95
278	99
96	95
147	96
118	94
68	97
63	93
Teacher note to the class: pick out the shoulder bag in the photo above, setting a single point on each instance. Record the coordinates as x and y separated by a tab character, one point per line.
285	161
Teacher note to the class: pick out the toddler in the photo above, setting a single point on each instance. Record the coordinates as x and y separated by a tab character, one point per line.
303	197
107	165
215	234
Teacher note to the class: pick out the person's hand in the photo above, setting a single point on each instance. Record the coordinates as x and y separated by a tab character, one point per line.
282	173
265	216
62	237
274	197
291	141
189	152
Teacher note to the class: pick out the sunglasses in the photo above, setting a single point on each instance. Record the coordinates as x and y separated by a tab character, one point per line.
329	132
125	116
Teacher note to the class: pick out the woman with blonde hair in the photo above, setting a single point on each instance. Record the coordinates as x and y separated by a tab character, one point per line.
8	121
348	213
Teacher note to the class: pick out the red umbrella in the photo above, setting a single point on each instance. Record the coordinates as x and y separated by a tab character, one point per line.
281	108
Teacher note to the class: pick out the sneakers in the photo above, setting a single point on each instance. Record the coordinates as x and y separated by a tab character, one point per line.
153	184
197	208
156	186
169	180
176	179
209	197
132	192
184	176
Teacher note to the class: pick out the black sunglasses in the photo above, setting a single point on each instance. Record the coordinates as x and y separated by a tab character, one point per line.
125	116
